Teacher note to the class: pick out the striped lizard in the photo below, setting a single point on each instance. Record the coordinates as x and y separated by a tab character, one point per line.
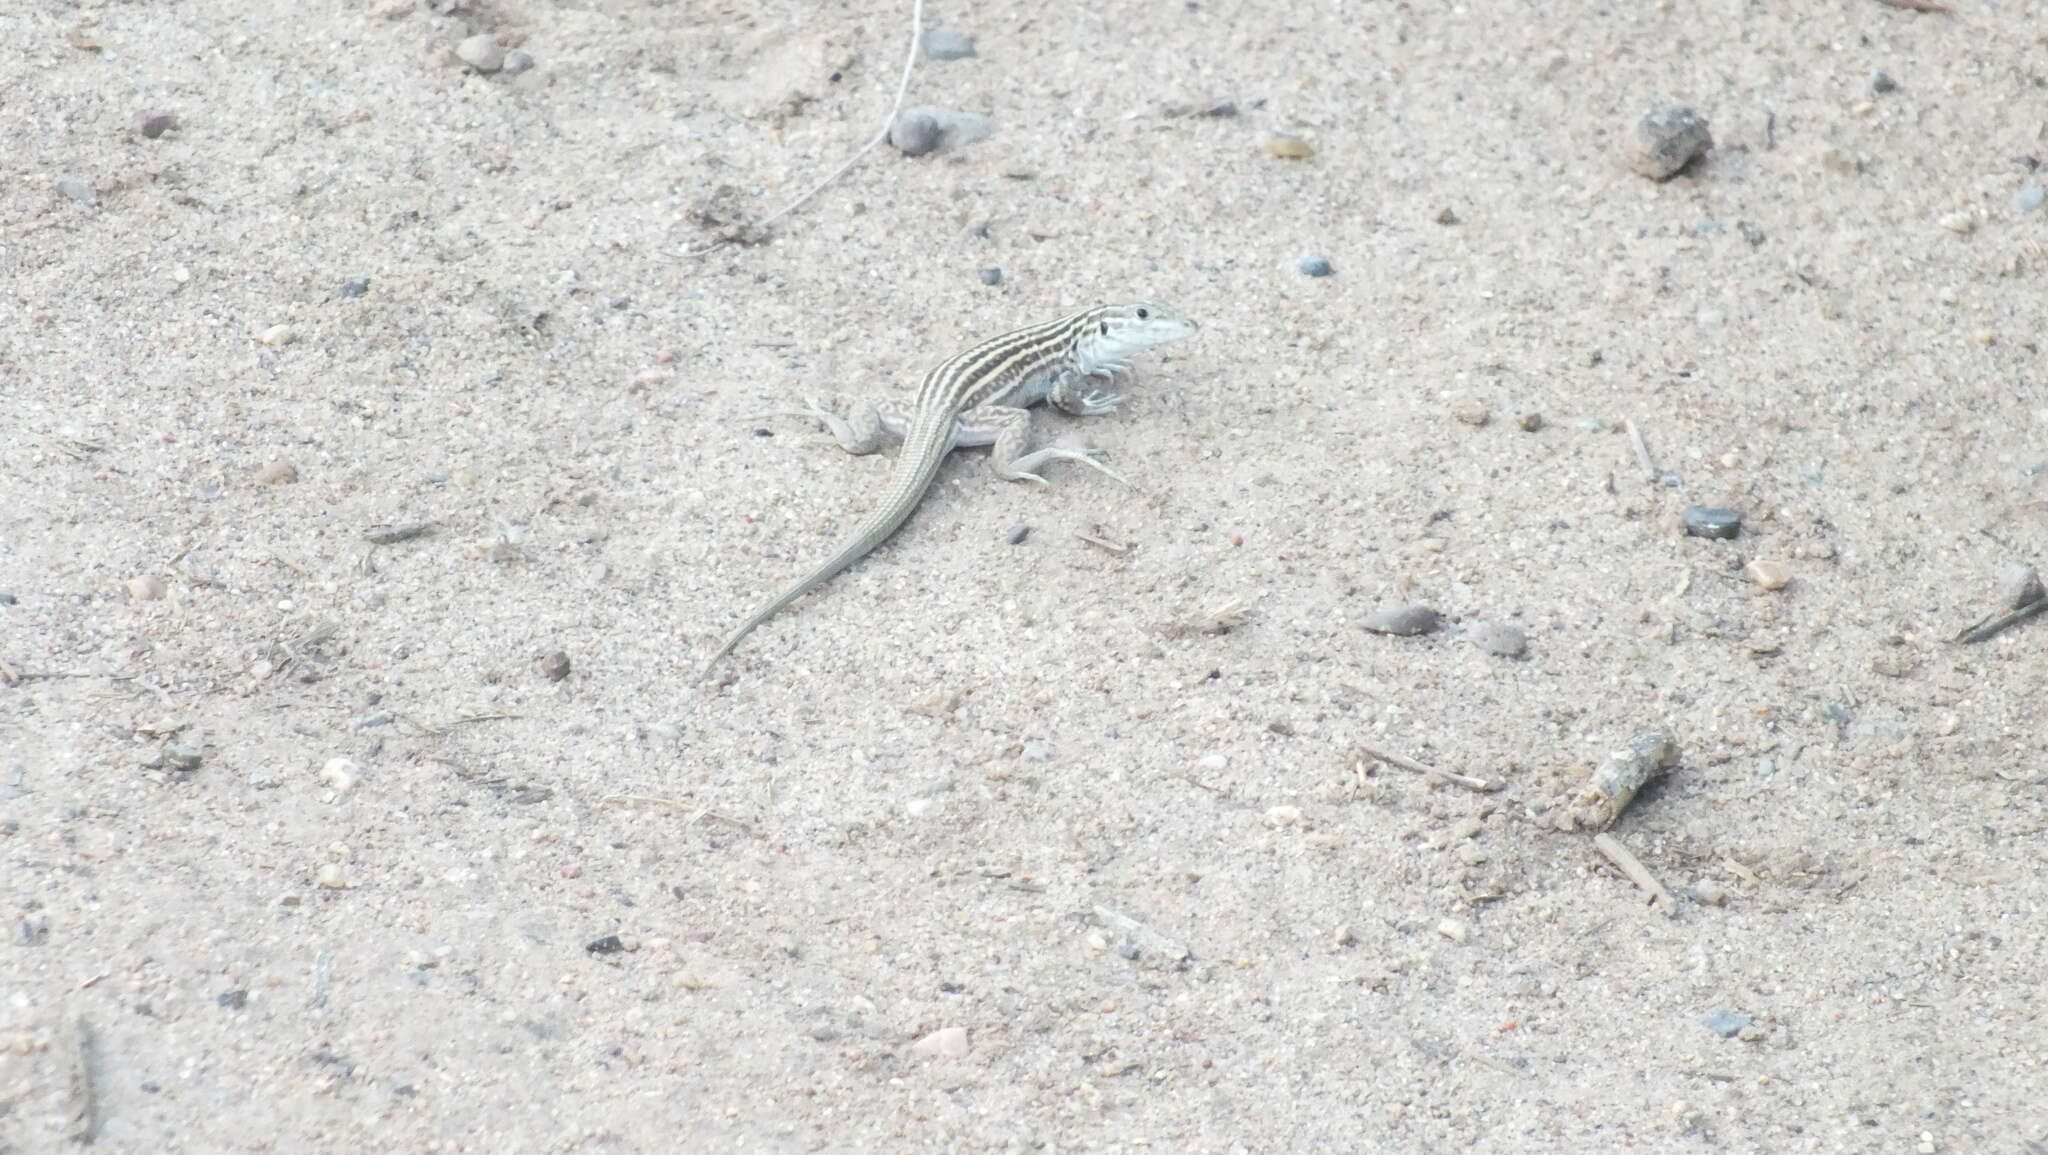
982	397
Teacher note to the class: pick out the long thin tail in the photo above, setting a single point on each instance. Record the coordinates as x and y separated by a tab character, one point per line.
914	473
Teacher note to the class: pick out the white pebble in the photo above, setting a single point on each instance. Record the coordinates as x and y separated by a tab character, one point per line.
341	774
1283	815
1212	762
276	336
1454	930
332	877
944	1043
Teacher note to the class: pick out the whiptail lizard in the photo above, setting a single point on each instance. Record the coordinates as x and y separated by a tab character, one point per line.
981	397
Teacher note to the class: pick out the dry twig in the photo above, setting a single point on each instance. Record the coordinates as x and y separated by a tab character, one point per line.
1637	873
1468	782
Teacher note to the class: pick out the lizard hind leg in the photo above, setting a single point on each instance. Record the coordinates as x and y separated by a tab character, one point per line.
866	426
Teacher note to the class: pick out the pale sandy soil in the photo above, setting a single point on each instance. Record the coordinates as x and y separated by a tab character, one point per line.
901	810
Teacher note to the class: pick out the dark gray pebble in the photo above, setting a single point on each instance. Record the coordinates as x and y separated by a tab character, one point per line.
1402	621
1017	534
1882	83
6	597
1316	266
992	276
609	944
1712	521
356	288
517	62
181	757
151	125
1667	139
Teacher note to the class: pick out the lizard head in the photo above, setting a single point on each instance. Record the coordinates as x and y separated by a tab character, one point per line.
1120	331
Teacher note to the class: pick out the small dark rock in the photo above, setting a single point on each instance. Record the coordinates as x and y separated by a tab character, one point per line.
914	133
1667	139
517	62
1402	621
1017	534
609	944
151	125
350	290
1315	266
233	1000
6	597
181	757
1446	216
1881	83
553	665
992	276
1712	521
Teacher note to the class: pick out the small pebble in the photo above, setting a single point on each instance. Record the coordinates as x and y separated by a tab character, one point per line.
517	62
1712	521
1315	266
481	52
352	289
1038	750
1402	621
2018	585
944	43
1667	139
277	473
181	757
1770	575
331	877
151	759
924	129
276	335
1445	216
151	125
1283	815
1727	1024
921	807
340	774
2029	198
1288	147
1710	892
553	665
1454	930
1529	422
1881	83
944	1043
233	1000
1017	534
1345	936
1500	639
147	588
1212	762
77	190
609	944
1961	224
992	276
1471	411
6	597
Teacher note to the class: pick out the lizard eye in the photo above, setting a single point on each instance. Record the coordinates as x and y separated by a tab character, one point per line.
1105	328
1142	314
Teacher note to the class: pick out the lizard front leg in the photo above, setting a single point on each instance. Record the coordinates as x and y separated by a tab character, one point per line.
1069	395
1008	429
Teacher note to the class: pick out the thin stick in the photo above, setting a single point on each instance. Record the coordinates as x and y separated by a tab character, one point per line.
1467	781
85	1083
1637	873
888	122
675	804
1635	438
1994	626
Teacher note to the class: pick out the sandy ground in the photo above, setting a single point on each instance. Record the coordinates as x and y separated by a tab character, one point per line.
308	848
